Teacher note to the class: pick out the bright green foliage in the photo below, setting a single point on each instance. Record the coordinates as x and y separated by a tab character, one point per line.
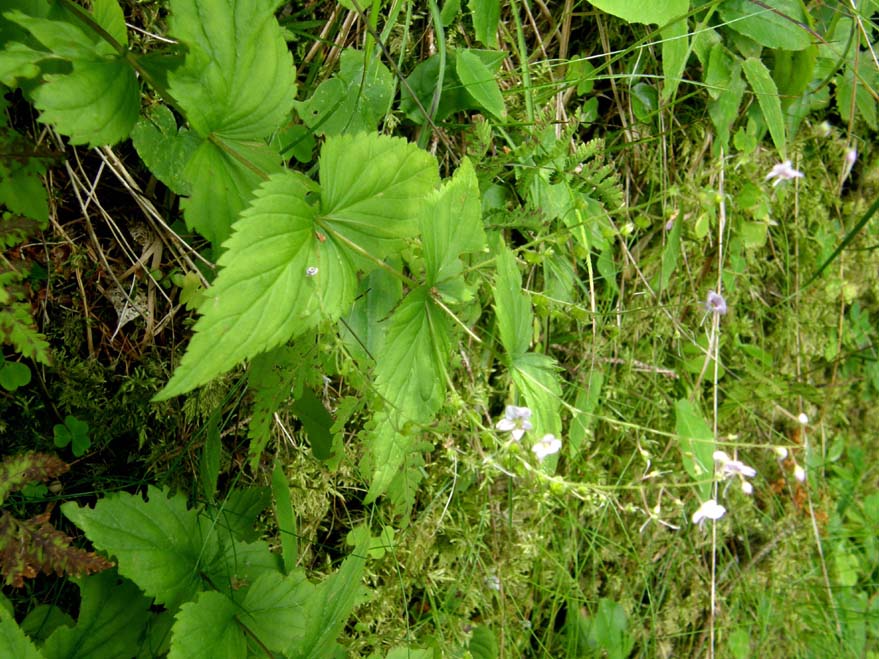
13	642
285	517
486	15
479	81
112	617
264	294
767	96
236	87
73	432
778	27
354	100
164	148
160	544
98	101
13	375
644	11
696	441
606	632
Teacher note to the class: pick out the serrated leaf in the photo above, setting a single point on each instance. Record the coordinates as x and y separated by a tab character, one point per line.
696	441
262	296
108	14
164	148
356	99
536	376
778	26
112	616
512	306
238	79
451	225
767	97
241	509
273	609
480	82
13	642
98	101
160	544
644	11
222	184
329	605
206	628
411	373
18	62
372	190
23	192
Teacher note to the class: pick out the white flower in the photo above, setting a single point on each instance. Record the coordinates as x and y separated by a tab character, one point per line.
310	271
783	171
493	582
803	419
547	446
851	156
747	488
780	452
708	510
799	473
515	421
730	467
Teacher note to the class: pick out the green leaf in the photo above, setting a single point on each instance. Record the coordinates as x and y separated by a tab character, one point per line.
98	101
73	432
22	192
164	148
112	617
696	441
316	421
862	86
480	82
209	465
451	225
238	79
18	62
328	608
536	376
14	375
770	103
222	177
160	544
373	188
285	517
486	16
512	306
13	642
483	643
108	14
241	509
644	11
354	100
775	27
262	296
675	51
206	628
273	609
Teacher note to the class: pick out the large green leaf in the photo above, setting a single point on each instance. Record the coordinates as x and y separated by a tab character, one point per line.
479	81
486	16
13	642
164	148
536	376
206	628
373	188
355	99
451	225
328	606
263	295
697	443
222	177
511	305
644	11
238	79
780	25
273	609
98	100
767	97
160	544
112	616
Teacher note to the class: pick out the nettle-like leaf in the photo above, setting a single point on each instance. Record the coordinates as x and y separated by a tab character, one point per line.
98	100
289	262
160	544
355	99
644	11
236	87
411	376
13	641
112	617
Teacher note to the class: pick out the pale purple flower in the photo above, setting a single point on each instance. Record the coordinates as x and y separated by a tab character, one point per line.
730	467
851	156
783	171
715	303
708	510
515	421
547	446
